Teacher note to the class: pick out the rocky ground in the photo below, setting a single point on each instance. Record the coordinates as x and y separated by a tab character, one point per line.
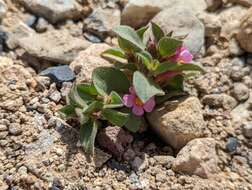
209	141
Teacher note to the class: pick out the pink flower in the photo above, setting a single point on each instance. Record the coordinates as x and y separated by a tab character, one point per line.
138	107
182	55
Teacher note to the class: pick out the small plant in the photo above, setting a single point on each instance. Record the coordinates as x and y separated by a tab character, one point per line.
149	67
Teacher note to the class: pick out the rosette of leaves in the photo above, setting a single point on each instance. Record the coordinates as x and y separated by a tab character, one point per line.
97	102
144	54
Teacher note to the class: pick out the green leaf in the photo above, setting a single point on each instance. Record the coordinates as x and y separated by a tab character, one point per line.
134	123
88	133
115	117
129	66
175	83
141	31
145	88
93	107
145	58
114	52
108	79
83	118
128	38
86	88
78	98
169	95
157	32
168	46
115	101
175	66
68	111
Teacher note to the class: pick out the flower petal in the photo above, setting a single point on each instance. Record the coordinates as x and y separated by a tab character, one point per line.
185	56
132	90
137	110
128	100
149	105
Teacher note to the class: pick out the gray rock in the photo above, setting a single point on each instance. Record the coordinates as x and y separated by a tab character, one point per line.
220	100
237	73
114	139
178	122
182	21
198	157
234	48
240	91
42	25
3	9
55	10
102	21
3	127
213	5
139	164
55	46
15	129
59	74
247	129
138	13
232	144
164	160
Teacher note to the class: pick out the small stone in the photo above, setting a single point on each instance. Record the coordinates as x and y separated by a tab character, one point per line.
59	74
42	25
15	129
114	139
240	92
129	155
92	38
161	177
232	144
234	48
55	96
3	127
213	5
198	157
220	100
237	73
139	164
30	20
102	21
3	134
247	130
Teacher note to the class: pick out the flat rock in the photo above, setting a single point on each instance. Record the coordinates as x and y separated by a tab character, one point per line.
138	13
182	21
198	157
3	9
102	21
56	46
178	122
59	74
55	10
88	60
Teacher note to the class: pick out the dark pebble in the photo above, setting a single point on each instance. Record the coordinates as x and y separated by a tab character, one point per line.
92	38
59	74
232	144
113	164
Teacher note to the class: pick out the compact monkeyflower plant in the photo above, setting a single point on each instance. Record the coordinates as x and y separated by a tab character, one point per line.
148	68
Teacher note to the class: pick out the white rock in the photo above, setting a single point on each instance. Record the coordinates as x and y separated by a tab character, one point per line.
178	122
198	157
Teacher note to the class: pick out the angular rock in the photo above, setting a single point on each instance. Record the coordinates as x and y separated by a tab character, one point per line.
102	21
247	129
182	21
100	158
213	5
220	100
55	46
198	157
178	122
59	74
244	35
240	91
88	60
114	139
138	13
232	144
55	10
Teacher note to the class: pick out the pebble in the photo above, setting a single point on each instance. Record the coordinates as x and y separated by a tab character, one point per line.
42	25
240	92
3	128
139	164
231	145
3	134
247	130
164	160
59	74
15	129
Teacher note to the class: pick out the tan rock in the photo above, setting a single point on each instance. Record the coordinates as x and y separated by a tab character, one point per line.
244	35
88	60
198	157
178	122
